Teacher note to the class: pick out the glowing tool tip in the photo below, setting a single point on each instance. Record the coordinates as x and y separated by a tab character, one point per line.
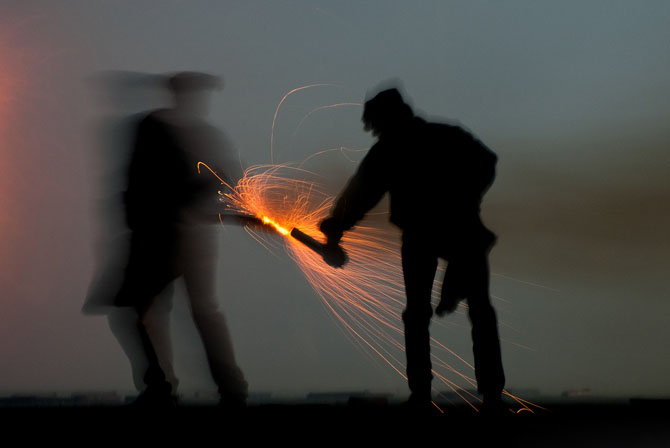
280	229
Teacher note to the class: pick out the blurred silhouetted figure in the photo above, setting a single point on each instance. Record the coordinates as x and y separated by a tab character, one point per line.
170	210
126	96
436	175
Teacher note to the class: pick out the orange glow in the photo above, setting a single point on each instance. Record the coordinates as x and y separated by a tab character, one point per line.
273	223
274	119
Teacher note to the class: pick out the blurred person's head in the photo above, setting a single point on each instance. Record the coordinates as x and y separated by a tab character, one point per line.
191	90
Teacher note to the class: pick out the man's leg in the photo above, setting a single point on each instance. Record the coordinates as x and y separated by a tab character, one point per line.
419	267
486	342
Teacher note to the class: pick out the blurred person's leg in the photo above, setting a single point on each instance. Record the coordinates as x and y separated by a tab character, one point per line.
149	272
158	390
123	324
157	323
200	268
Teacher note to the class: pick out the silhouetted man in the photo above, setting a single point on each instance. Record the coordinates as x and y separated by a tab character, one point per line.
436	175
171	210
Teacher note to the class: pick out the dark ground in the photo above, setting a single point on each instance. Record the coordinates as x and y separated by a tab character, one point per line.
638	423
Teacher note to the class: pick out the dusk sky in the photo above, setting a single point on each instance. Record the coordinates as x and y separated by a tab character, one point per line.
571	95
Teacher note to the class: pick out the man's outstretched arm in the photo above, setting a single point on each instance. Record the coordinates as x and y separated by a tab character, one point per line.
364	190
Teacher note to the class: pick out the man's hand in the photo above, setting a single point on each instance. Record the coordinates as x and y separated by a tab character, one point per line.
331	228
334	255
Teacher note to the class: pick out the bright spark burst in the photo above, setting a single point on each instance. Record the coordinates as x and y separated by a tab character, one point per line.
367	296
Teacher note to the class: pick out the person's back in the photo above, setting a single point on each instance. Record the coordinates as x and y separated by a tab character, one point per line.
436	174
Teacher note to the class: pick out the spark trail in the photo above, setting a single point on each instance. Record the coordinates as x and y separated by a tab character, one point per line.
367	296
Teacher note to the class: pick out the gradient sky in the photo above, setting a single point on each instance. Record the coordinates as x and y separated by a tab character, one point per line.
572	95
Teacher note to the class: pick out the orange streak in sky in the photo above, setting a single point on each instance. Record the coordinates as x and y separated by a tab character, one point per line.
274	118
